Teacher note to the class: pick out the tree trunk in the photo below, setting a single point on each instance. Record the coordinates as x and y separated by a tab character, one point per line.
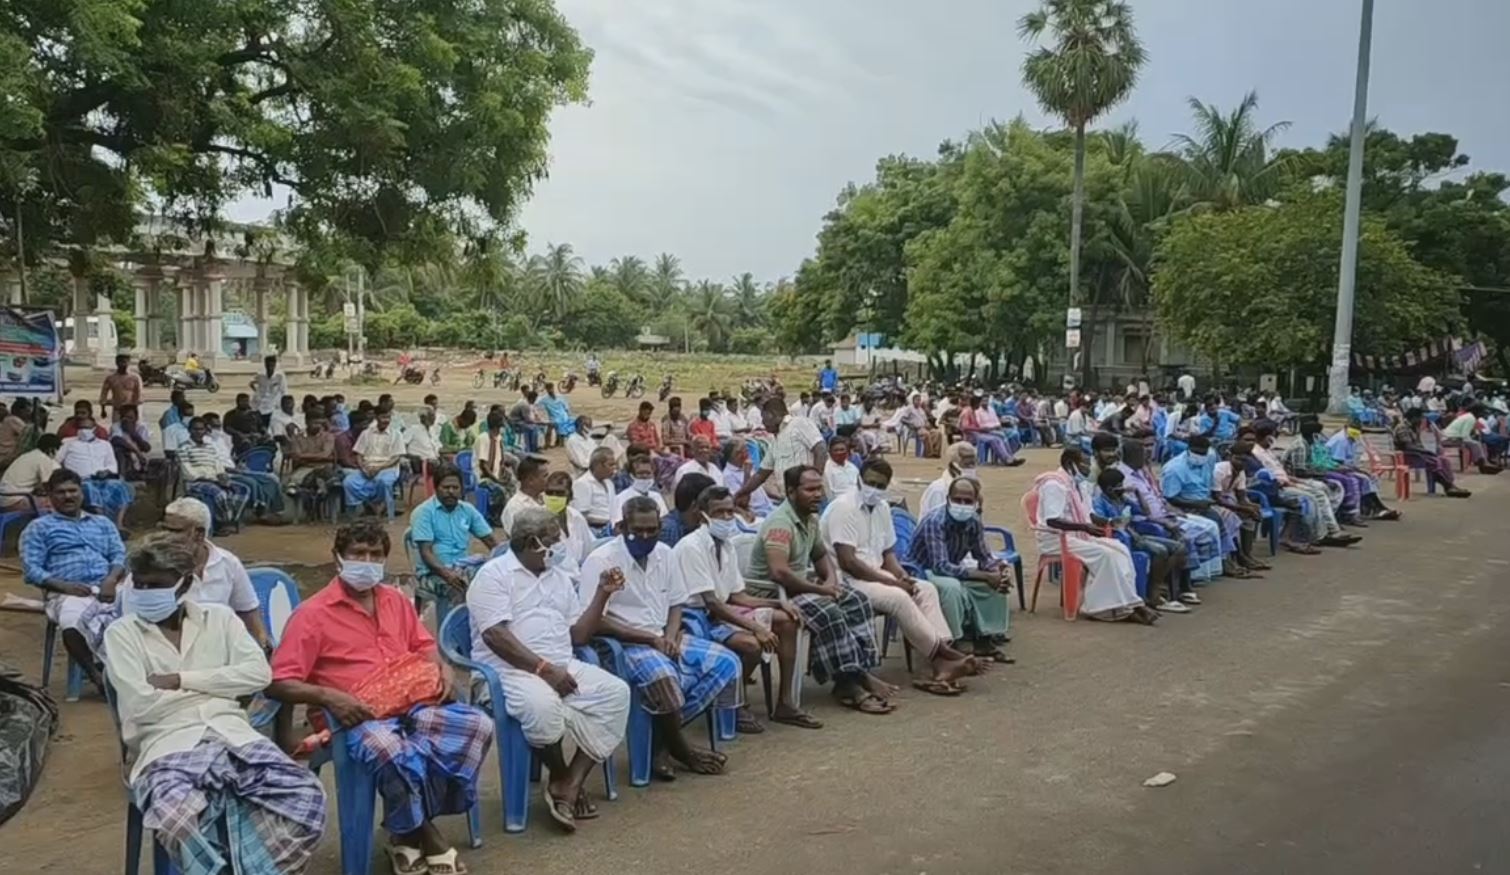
1077	212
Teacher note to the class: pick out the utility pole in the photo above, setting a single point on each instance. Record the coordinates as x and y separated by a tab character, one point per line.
1342	331
362	313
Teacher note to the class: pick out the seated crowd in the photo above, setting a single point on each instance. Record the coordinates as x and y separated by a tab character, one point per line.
661	573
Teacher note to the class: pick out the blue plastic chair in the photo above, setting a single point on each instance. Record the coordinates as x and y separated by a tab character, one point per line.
641	727
356	803
469	485
1008	553
162	864
18	517
278	595
442	600
518	765
258	460
1269	516
75	688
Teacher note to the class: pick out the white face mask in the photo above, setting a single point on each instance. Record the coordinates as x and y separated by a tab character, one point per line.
870	496
362	576
642	485
723	530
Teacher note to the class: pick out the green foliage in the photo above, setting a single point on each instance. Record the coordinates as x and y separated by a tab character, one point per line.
1258	285
396	125
1089	59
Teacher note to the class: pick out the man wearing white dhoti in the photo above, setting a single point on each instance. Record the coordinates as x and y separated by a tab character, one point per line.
526	618
1060	502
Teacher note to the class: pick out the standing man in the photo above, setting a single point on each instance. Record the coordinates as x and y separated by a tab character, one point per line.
798	442
828	378
121	387
1187	386
270	386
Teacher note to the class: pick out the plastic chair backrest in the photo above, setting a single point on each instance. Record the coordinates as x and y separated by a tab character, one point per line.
279	595
456	635
904	526
464	462
744	550
259	459
1030	508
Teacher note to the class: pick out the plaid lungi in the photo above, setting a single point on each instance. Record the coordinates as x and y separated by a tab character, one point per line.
426	761
706	671
249	810
843	630
225	505
431	586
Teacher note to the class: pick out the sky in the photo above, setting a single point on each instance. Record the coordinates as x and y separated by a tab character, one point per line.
722	130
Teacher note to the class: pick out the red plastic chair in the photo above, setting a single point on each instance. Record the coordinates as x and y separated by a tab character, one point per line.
1071	570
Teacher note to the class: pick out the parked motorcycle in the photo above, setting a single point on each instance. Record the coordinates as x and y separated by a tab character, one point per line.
636	387
568	383
611	384
435	376
181	379
152	375
412	375
667	383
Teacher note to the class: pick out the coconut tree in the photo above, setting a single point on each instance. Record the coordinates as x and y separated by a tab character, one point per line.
749	300
668	280
1230	158
557	276
632	279
710	314
1087	61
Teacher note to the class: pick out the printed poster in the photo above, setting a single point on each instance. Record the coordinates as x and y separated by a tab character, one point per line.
31	353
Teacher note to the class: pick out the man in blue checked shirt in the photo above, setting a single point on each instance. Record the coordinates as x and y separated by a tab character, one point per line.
77	558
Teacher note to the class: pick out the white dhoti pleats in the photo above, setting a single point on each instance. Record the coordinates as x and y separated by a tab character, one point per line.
593	717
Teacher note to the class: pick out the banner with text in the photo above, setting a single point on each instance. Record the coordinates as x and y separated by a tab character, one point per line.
31	353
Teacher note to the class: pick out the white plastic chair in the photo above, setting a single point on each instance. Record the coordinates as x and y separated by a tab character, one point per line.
744	549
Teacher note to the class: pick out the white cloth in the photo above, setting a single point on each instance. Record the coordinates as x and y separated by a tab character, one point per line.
517	503
1222	473
422	442
579	449
840	479
703	568
380	448
67	610
539	610
1110	585
216	662
1187	386
692	466
30	470
868	530
593	717
578	537
278	425
617	516
86	458
225	447
593	498
793	446
175	436
1076	423
224	582
648	592
935	496
268	391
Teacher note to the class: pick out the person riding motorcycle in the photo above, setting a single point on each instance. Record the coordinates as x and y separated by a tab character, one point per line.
193	368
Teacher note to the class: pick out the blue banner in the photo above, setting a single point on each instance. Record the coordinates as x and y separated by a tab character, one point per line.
31	353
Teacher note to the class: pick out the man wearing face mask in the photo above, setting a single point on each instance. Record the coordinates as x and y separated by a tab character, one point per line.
358	637
857	527
678	676
641	485
1060	501
950	547
685	516
94	461
719	609
531	472
701	462
959	461
179	669
1188	481
526	622
576	534
1323	515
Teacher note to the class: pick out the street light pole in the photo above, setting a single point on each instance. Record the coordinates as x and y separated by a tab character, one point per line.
1342	331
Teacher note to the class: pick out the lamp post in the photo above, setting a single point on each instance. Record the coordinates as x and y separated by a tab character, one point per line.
1342	330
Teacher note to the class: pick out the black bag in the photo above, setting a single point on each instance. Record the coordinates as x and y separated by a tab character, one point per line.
28	719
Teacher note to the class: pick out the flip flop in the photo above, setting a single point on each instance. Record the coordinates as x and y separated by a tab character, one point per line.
867	704
746	724
996	655
407	861
559	809
445	864
937	687
801	720
584	809
1388	515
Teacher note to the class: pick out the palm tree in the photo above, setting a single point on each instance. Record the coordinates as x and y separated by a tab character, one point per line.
556	275
749	300
669	280
632	279
710	314
1089	65
1229	158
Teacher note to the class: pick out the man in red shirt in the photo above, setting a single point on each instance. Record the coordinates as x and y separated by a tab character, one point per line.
353	630
703	425
642	431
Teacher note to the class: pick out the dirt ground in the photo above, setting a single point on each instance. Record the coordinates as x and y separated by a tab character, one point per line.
1036	770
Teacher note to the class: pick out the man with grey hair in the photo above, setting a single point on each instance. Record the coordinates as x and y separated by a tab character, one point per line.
593	492
526	621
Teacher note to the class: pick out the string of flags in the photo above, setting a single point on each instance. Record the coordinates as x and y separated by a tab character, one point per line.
1465	356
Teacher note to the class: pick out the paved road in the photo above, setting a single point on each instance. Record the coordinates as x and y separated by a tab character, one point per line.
1346	715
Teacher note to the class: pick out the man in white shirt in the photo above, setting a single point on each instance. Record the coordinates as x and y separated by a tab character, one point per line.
285	422
841	475
94	461
532	472
822	414
379	450
580	446
1079	421
27	476
857	528
179	670
422	441
526	621
642	470
719	609
1187	386
220	578
798	442
701	462
268	388
593	492
677	676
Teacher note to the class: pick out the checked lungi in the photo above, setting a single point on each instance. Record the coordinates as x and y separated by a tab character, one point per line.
249	810
226	506
705	672
843	630
426	761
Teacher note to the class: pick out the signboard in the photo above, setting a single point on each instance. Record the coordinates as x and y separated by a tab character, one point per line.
349	310
1072	318
1072	338
31	353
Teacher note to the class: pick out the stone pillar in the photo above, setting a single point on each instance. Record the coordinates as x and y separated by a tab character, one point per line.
296	325
106	343
149	281
213	290
83	308
188	314
12	286
259	291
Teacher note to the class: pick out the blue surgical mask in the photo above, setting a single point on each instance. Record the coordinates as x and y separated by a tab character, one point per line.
723	530
639	548
153	605
362	576
961	513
